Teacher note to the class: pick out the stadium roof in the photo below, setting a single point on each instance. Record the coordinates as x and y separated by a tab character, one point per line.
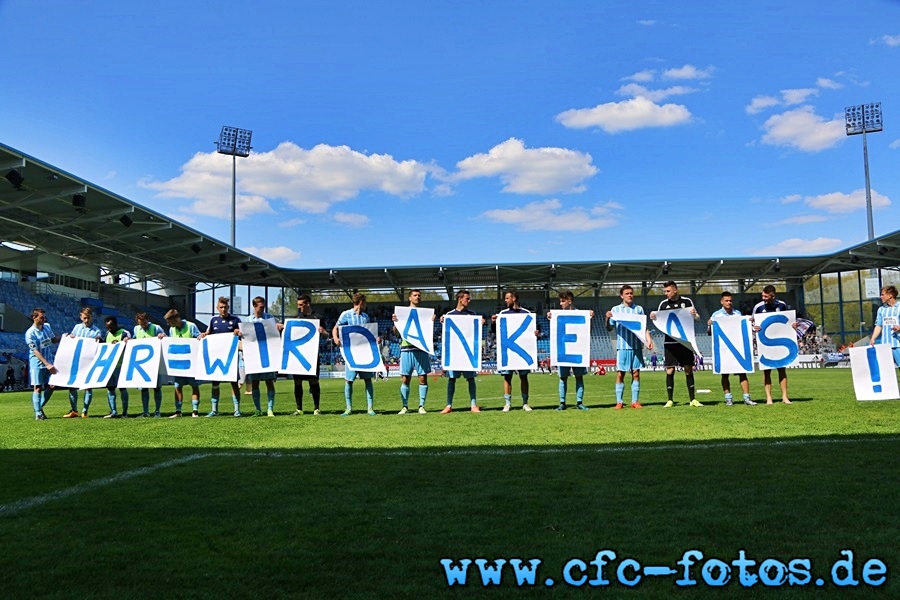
55	212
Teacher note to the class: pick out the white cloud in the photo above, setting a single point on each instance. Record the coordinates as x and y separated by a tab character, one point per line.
279	255
828	84
803	220
644	76
804	130
646	22
351	219
635	90
840	203
798	95
530	170
287	223
890	40
791	198
797	246
308	180
688	72
895	144
628	115
549	215
761	103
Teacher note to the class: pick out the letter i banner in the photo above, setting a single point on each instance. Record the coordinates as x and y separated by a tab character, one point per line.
570	338
261	343
678	324
874	377
416	326
73	359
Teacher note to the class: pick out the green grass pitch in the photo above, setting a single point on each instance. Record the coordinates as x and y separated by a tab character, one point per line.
367	507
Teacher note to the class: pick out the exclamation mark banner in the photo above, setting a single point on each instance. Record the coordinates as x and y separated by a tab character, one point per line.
874	376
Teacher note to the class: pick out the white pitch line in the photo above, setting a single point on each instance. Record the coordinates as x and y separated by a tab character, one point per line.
21	505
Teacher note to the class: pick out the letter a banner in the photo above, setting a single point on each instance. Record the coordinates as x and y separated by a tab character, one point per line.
416	326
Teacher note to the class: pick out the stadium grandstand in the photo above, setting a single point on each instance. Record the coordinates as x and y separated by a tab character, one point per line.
67	243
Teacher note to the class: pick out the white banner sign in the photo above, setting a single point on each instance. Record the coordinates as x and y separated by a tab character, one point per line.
73	358
103	366
874	377
570	338
300	347
218	358
776	341
416	326
732	345
140	363
359	347
678	324
180	355
461	343
516	341
633	322
262	346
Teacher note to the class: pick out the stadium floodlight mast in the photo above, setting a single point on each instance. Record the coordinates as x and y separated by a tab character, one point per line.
234	142
863	119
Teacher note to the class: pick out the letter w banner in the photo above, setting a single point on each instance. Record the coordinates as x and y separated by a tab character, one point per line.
359	347
570	338
261	345
416	326
873	373
73	358
461	343
776	341
516	341
678	324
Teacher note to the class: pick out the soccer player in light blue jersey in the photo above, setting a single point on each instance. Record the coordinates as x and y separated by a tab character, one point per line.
354	316
887	322
567	302
85	329
224	323
728	310
179	328
40	341
462	308
146	329
259	315
629	348
413	360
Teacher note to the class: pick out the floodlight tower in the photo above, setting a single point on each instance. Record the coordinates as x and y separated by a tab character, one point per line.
863	119
235	142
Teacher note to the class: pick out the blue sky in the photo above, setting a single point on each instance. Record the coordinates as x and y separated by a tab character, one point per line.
407	133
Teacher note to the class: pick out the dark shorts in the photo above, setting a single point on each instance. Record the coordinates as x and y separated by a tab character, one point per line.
679	356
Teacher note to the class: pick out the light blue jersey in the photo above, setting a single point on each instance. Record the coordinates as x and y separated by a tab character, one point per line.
887	318
42	340
80	331
724	313
625	338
